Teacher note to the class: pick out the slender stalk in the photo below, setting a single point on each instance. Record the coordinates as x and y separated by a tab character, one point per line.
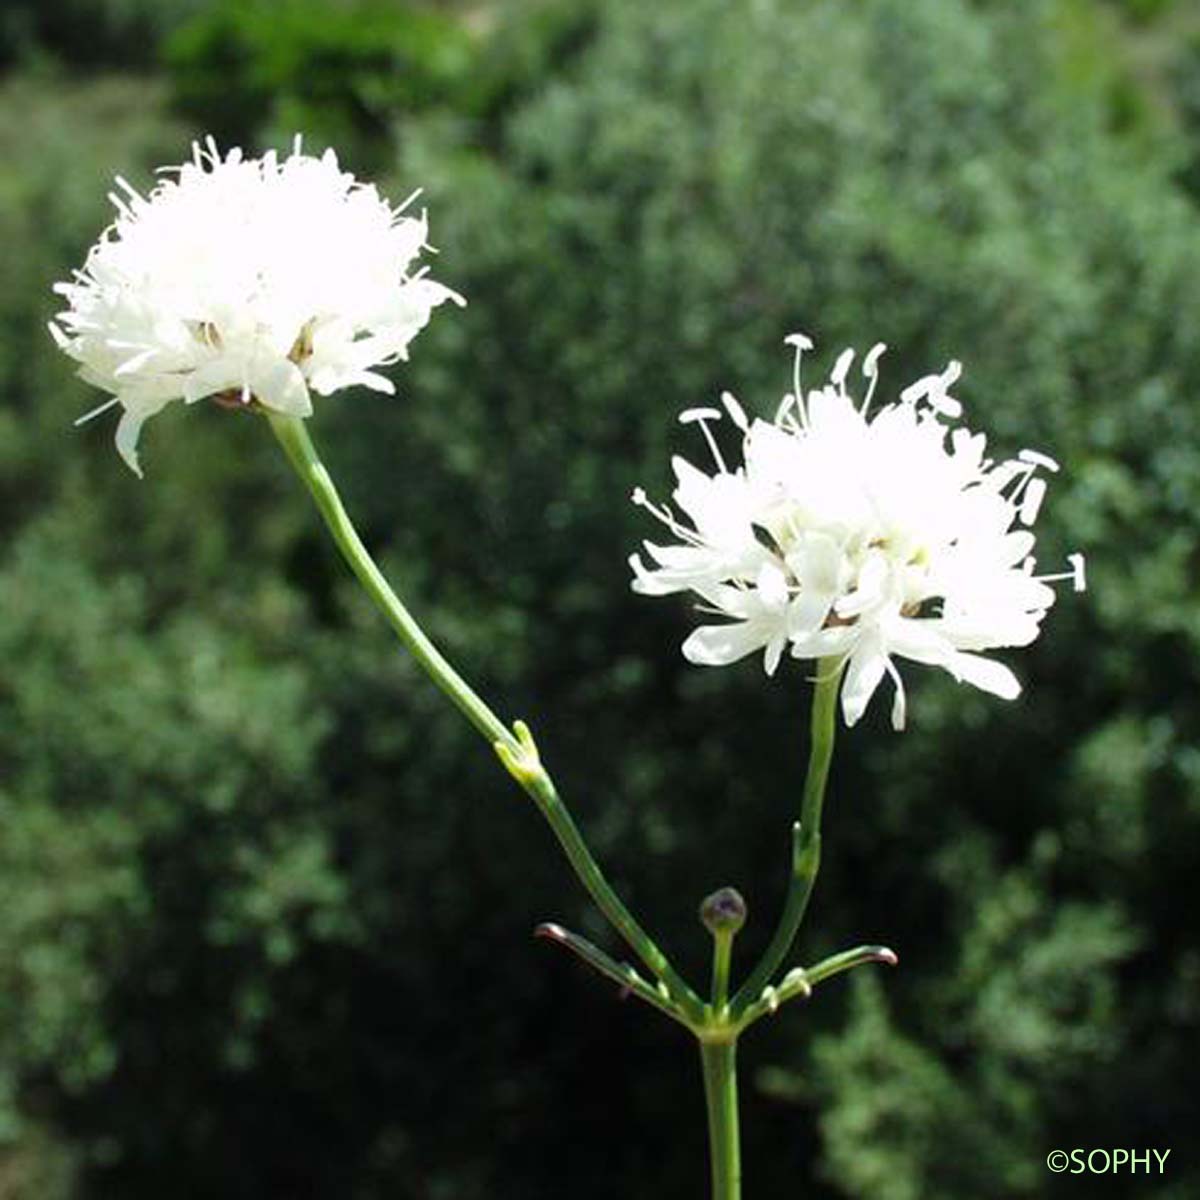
630	982
719	1062
520	754
806	835
847	960
545	795
722	954
302	454
801	980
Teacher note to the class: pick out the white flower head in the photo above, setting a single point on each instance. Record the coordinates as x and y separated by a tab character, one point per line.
250	281
858	536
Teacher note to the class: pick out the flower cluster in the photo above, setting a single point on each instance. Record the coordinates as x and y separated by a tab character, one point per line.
246	280
859	537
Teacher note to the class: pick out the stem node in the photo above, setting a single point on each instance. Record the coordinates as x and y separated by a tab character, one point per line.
521	758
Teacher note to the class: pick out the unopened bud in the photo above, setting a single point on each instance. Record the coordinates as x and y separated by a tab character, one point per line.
724	912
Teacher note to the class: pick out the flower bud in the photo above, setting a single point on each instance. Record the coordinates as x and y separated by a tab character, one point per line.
724	912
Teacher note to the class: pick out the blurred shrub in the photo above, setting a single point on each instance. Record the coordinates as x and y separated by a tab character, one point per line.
337	71
346	73
1148	10
290	959
90	33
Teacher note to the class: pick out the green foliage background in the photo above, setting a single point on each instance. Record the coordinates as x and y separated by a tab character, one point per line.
265	901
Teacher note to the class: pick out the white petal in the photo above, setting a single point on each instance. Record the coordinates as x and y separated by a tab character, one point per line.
772	586
986	674
376	382
718	645
827	643
863	675
129	427
774	653
921	639
899	707
808	612
1017	545
280	386
218	375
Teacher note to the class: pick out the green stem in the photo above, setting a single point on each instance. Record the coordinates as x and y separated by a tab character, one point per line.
623	974
847	960
541	788
719	1062
801	981
806	835
722	954
302	454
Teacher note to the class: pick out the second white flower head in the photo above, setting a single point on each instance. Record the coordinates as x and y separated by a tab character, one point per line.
246	280
858	536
